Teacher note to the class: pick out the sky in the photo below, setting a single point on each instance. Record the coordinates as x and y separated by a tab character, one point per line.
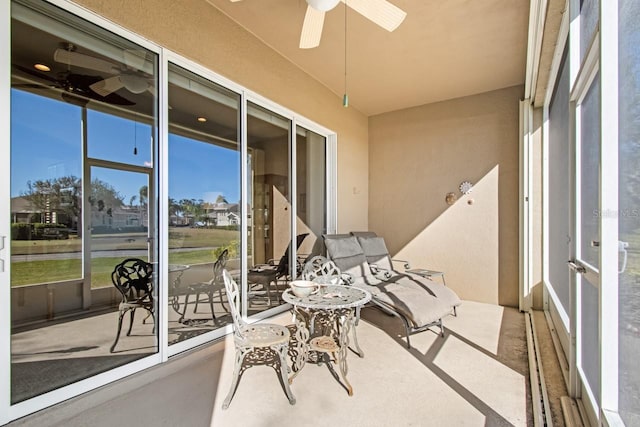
46	142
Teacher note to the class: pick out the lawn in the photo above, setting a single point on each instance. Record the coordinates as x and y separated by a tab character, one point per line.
179	237
47	271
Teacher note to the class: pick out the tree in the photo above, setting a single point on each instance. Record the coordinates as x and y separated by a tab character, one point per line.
143	195
103	195
221	199
60	195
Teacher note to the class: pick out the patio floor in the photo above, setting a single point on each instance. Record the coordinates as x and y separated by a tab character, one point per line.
476	375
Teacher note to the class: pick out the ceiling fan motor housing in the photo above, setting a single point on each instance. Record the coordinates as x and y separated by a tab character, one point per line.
323	5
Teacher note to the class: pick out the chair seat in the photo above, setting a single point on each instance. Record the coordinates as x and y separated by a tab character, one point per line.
264	335
324	344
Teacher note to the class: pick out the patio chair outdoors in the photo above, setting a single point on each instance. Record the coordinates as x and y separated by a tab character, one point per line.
418	309
133	279
256	344
377	254
210	288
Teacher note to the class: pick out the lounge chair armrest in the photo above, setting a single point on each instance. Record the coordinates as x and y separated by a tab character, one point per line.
380	273
407	266
346	278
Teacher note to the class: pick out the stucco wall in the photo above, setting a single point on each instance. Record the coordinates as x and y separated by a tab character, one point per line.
201	33
420	154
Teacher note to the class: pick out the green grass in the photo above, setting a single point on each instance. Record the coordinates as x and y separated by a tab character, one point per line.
34	272
179	237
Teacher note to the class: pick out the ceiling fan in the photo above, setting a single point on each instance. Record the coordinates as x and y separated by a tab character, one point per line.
130	76
74	88
380	12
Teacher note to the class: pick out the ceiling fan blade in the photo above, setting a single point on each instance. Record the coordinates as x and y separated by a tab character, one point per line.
134	58
107	86
311	28
84	61
380	12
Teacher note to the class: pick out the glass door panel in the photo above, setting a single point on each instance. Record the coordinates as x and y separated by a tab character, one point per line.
204	202
69	112
311	178
588	254
629	212
268	169
559	199
121	228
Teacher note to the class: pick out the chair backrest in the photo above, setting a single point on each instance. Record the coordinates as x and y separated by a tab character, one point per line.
283	264
321	270
233	296
347	254
133	277
220	265
375	250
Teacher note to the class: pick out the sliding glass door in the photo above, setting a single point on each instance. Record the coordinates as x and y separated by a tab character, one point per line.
204	203
84	133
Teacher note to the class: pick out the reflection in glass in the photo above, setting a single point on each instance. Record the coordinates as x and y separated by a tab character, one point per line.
589	17
269	205
72	221
204	202
311	191
629	209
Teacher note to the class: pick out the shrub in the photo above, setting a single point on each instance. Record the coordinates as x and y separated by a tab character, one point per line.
21	231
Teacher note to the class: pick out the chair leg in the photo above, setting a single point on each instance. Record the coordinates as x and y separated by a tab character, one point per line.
197	300
133	312
120	316
186	302
240	354
283	370
213	313
222	300
153	317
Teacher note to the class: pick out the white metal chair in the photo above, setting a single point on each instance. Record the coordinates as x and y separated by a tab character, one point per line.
256	344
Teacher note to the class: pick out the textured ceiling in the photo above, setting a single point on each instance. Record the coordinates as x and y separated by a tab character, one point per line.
444	49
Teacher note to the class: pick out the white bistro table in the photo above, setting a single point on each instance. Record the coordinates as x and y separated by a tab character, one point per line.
323	321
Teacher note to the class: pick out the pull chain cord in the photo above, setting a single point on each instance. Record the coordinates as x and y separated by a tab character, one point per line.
135	137
345	97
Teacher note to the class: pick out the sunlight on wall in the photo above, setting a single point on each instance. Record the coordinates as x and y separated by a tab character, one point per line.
469	233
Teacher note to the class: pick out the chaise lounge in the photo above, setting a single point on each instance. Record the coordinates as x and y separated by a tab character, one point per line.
410	298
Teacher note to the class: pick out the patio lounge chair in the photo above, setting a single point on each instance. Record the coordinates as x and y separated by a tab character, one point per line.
418	308
375	250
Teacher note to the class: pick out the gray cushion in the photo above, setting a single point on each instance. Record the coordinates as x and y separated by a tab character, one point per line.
347	254
376	251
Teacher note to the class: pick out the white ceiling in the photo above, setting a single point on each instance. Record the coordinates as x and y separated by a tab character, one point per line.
444	49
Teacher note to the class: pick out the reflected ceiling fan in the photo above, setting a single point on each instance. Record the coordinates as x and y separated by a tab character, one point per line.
74	88
380	12
131	76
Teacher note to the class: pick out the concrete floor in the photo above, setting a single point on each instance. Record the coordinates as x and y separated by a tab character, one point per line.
476	375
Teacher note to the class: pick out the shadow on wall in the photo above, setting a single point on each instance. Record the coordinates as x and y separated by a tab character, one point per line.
417	156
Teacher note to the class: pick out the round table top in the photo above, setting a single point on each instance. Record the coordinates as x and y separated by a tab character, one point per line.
330	297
